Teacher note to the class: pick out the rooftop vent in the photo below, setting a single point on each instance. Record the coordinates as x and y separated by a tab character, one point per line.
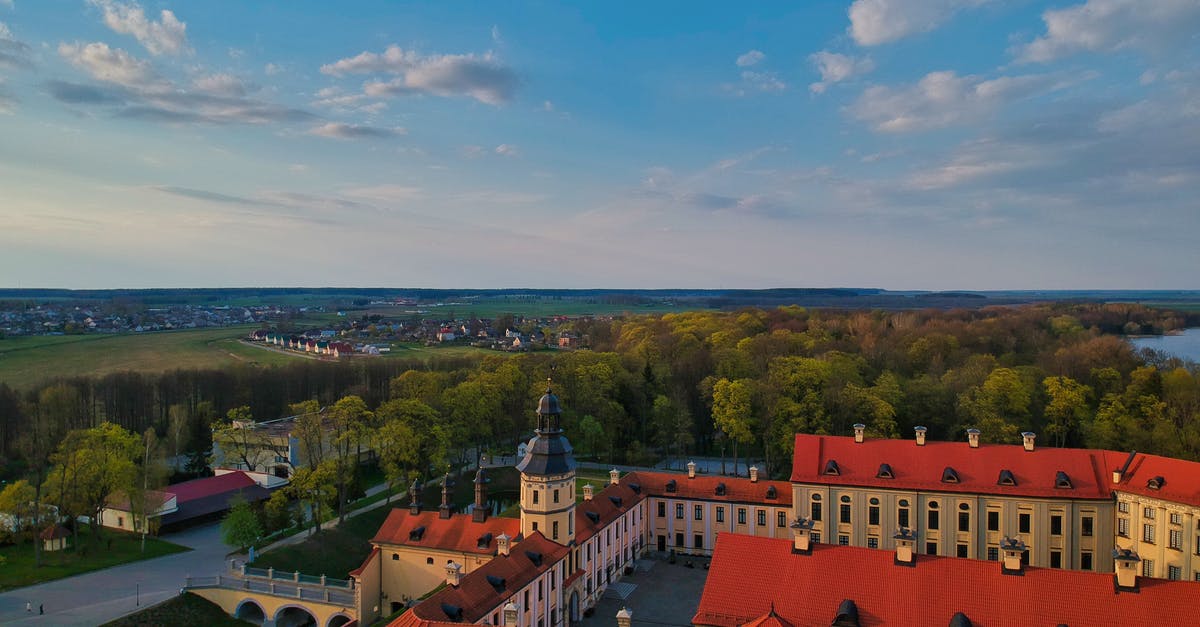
973	438
1027	438
721	489
859	432
484	540
671	486
885	472
636	487
1006	478
416	534
949	475
497	582
534	557
920	431
594	517
616	500
772	493
847	614
1062	481
453	612
831	468
960	620
1155	483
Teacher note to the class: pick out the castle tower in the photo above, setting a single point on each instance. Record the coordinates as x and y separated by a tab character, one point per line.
548	477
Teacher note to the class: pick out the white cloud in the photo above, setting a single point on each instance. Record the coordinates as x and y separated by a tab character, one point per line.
750	58
874	22
271	69
506	150
339	130
496	37
166	36
763	81
943	99
482	77
13	53
111	65
1108	25
220	84
835	68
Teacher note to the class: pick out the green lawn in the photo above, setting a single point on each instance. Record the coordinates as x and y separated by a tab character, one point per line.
186	610
19	570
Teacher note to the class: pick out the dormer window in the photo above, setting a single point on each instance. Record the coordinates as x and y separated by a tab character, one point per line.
1062	481
1155	483
534	557
772	493
484	541
1006	478
720	489
616	500
949	475
671	486
416	534
831	468
594	517
885	472
497	582
636	487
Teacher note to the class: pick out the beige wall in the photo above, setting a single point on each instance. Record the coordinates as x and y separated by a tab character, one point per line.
674	527
548	515
1070	544
370	607
603	557
411	572
230	600
1157	551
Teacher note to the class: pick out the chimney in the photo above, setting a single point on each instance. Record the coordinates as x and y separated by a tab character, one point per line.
511	614
754	474
614	476
859	431
479	512
1013	550
1119	474
801	538
453	574
691	466
973	437
906	542
624	617
920	431
1027	438
444	509
588	490
414	493
1125	562
503	544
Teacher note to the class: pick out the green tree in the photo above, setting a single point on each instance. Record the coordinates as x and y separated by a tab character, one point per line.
1066	407
240	527
591	433
399	451
732	413
998	406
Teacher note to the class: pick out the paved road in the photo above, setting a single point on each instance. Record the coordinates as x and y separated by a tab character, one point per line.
100	596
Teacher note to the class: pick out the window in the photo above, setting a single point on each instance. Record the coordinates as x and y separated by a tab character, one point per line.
902	517
993	520
816	511
844	513
1175	540
993	553
527	598
844	540
662	509
931	548
815	537
960	550
1148	513
873	515
1123	507
1055	559
1147	568
1056	525
762	518
535	525
554	531
741	515
933	519
1085	526
698	512
1197	576
872	542
1085	560
679	511
781	519
1023	523
539	591
1148	533
535	497
1176	518
964	521
720	514
698	541
679	540
1123	527
1174	573
555	495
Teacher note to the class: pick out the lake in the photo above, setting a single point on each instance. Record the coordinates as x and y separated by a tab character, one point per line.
1186	345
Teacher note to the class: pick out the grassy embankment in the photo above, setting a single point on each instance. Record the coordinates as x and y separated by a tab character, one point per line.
187	610
111	549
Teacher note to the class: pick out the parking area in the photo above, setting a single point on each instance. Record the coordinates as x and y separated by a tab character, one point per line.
663	594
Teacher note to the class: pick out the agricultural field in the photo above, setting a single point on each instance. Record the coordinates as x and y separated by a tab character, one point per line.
532	306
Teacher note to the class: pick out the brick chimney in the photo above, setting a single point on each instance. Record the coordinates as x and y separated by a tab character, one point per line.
444	509
588	491
1013	550
1125	562
859	432
480	511
512	614
801	538
614	476
691	466
1027	438
453	574
503	544
754	474
414	493
906	542
624	617
920	431
973	437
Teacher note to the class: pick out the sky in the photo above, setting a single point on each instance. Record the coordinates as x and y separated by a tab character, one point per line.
899	144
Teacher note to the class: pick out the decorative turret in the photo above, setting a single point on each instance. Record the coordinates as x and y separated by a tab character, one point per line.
444	509
479	512
548	477
414	493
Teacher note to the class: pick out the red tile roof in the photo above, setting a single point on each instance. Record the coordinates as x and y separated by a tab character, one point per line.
457	533
808	589
475	594
209	486
357	572
1180	478
604	508
978	469
704	487
770	619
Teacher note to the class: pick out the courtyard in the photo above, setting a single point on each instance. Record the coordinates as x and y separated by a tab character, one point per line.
662	594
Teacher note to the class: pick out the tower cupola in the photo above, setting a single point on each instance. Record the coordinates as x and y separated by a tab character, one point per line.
548	476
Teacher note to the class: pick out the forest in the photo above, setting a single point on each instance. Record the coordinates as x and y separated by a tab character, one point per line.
716	383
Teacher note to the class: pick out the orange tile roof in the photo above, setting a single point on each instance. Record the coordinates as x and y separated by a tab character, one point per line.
457	533
704	487
808	590
978	469
357	572
1180	478
475	594
604	508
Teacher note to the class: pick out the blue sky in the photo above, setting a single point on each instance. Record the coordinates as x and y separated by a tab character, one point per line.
904	144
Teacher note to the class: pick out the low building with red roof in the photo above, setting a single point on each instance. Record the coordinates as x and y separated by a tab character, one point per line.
184	503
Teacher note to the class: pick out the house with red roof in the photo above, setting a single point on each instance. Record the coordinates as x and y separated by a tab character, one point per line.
184	503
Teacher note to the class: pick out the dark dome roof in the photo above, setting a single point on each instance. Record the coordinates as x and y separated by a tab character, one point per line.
548	404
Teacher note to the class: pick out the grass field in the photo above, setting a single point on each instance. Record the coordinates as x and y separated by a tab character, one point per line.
24	361
526	306
186	610
18	569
